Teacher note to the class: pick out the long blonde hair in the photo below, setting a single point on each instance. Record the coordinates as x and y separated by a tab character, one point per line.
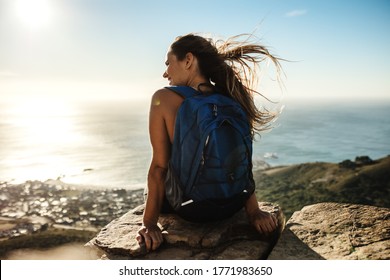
231	66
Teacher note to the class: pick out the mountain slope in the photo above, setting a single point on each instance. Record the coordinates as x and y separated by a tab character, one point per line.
362	181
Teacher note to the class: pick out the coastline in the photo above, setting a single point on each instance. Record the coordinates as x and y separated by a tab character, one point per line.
41	215
51	215
56	203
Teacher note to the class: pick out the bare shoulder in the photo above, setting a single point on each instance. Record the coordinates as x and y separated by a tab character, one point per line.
164	106
166	98
161	92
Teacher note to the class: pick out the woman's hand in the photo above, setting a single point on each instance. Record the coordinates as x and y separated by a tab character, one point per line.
264	222
150	236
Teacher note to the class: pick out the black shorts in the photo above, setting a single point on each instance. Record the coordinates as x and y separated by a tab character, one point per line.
207	210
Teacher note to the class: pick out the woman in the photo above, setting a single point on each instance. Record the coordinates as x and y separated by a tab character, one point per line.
197	62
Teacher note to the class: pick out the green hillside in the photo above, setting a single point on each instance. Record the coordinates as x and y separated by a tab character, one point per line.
362	181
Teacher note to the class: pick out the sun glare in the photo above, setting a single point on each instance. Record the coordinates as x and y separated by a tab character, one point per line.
34	14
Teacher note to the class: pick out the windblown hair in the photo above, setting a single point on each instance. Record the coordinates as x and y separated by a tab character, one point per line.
231	67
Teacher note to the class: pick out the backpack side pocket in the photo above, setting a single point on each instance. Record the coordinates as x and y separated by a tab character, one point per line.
173	189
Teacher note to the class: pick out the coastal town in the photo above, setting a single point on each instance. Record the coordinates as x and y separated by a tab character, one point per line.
35	206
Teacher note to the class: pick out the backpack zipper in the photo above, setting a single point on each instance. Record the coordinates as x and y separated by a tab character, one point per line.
215	110
204	147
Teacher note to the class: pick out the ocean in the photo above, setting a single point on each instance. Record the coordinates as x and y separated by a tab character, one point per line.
106	144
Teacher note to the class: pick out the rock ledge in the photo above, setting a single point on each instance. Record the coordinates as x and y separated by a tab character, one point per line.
233	238
335	231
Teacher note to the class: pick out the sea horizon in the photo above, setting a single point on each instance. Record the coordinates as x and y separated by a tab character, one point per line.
106	144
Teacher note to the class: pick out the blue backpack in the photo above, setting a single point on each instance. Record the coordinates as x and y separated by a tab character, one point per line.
211	157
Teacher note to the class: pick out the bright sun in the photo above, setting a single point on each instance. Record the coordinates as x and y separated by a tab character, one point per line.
35	14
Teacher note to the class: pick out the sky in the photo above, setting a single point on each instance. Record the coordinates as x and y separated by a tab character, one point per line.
115	49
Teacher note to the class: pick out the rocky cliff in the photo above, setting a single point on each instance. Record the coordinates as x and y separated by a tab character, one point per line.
335	231
320	231
232	238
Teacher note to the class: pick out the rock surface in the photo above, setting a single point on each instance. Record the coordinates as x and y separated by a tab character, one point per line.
335	231
233	238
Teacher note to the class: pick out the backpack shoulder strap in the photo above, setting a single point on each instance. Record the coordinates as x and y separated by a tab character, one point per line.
184	91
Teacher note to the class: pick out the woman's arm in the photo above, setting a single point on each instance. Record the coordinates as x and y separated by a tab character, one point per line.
150	233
